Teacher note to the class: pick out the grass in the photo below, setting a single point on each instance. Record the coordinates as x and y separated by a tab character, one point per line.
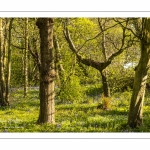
22	115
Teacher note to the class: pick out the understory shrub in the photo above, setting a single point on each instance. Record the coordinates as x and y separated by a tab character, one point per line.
72	91
105	103
122	99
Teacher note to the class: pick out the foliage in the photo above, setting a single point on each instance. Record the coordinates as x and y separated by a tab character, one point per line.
72	91
120	77
122	98
22	115
93	92
106	102
18	47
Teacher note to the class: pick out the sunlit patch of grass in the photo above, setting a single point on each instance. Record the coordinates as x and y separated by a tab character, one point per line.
23	113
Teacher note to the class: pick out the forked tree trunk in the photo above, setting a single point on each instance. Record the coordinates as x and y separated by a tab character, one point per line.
135	113
100	66
47	72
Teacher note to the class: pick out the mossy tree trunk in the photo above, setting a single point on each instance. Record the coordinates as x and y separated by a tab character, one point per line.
9	62
106	88
135	112
58	60
26	59
47	71
2	77
5	41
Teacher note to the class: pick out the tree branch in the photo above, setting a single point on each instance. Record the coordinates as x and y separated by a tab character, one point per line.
97	64
128	29
100	33
89	62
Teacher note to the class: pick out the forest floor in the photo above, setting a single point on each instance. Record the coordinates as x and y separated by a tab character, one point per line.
22	114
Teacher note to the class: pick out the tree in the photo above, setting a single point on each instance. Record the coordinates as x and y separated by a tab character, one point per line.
103	72
47	71
119	47
2	78
9	62
4	24
136	105
26	59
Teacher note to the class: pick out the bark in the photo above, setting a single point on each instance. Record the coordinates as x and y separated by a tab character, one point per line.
5	45
9	63
135	117
47	72
2	78
26	59
106	88
101	23
58	54
58	62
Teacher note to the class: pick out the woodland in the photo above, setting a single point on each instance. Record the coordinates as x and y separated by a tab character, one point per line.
74	74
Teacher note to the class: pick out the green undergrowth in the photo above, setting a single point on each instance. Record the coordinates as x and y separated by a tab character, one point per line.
22	114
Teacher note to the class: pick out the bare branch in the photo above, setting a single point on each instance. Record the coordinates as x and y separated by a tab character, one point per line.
100	33
127	28
122	47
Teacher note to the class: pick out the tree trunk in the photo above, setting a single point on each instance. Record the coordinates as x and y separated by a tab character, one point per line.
58	61
9	62
26	59
135	112
105	84
2	78
47	72
106	88
5	45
